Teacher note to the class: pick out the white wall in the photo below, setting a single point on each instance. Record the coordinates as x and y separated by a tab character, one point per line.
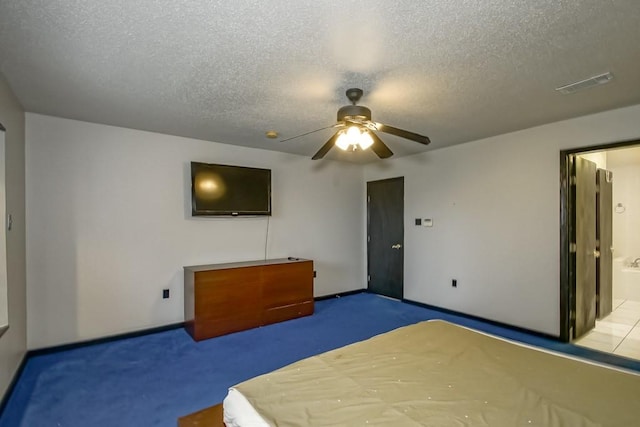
13	342
495	206
109	225
626	225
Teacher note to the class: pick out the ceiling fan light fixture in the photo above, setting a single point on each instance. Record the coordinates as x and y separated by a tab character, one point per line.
365	140
354	137
343	141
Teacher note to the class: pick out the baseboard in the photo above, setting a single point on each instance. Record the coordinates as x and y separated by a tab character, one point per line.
482	319
339	294
64	347
448	311
12	385
48	350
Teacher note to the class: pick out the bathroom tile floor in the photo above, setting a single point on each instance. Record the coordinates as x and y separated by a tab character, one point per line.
618	333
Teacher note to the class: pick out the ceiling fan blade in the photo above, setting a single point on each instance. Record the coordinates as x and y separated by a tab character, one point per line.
402	133
326	147
379	147
339	124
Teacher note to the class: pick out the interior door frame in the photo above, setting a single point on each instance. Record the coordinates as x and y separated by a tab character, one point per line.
4	285
567	294
401	180
582	231
604	236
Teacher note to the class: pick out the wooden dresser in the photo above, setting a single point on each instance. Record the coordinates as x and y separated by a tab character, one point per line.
223	298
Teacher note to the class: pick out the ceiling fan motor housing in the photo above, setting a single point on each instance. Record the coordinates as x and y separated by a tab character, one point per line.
351	112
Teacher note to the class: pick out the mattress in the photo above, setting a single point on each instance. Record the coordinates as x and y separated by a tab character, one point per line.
436	373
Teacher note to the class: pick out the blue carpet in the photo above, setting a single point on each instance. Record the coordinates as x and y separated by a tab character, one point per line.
154	379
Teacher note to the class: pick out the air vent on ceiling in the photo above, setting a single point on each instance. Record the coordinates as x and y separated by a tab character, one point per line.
600	79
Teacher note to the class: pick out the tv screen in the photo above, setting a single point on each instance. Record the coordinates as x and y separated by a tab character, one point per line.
229	190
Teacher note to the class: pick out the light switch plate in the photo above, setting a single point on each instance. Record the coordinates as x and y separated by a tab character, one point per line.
427	222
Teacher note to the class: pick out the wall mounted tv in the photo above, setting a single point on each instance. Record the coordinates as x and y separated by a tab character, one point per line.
229	190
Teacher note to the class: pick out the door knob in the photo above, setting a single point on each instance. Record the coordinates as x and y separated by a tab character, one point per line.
396	246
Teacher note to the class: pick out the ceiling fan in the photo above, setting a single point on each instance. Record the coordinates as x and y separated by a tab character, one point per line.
356	130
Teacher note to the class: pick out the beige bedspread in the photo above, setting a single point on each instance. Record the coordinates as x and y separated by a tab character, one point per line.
439	374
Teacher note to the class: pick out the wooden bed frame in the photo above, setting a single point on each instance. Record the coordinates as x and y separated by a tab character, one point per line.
209	417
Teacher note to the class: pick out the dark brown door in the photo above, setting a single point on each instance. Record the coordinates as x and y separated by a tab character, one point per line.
604	236
585	246
385	236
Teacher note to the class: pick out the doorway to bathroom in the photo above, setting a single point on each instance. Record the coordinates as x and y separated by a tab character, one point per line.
600	269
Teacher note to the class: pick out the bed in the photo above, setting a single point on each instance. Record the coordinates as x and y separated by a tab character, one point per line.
437	373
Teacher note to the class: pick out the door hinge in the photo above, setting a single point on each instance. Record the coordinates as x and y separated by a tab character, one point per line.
572	315
368	238
572	180
368	278
368	199
573	248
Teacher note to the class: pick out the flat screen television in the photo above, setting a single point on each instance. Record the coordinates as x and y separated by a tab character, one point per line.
229	190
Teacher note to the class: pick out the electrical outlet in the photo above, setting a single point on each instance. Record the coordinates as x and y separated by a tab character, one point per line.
165	293
454	283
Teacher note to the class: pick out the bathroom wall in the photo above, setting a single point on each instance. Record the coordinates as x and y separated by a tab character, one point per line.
625	165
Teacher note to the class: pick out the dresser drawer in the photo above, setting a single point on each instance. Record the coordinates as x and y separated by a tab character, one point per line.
287	312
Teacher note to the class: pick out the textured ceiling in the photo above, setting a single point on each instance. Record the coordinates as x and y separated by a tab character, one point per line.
228	71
